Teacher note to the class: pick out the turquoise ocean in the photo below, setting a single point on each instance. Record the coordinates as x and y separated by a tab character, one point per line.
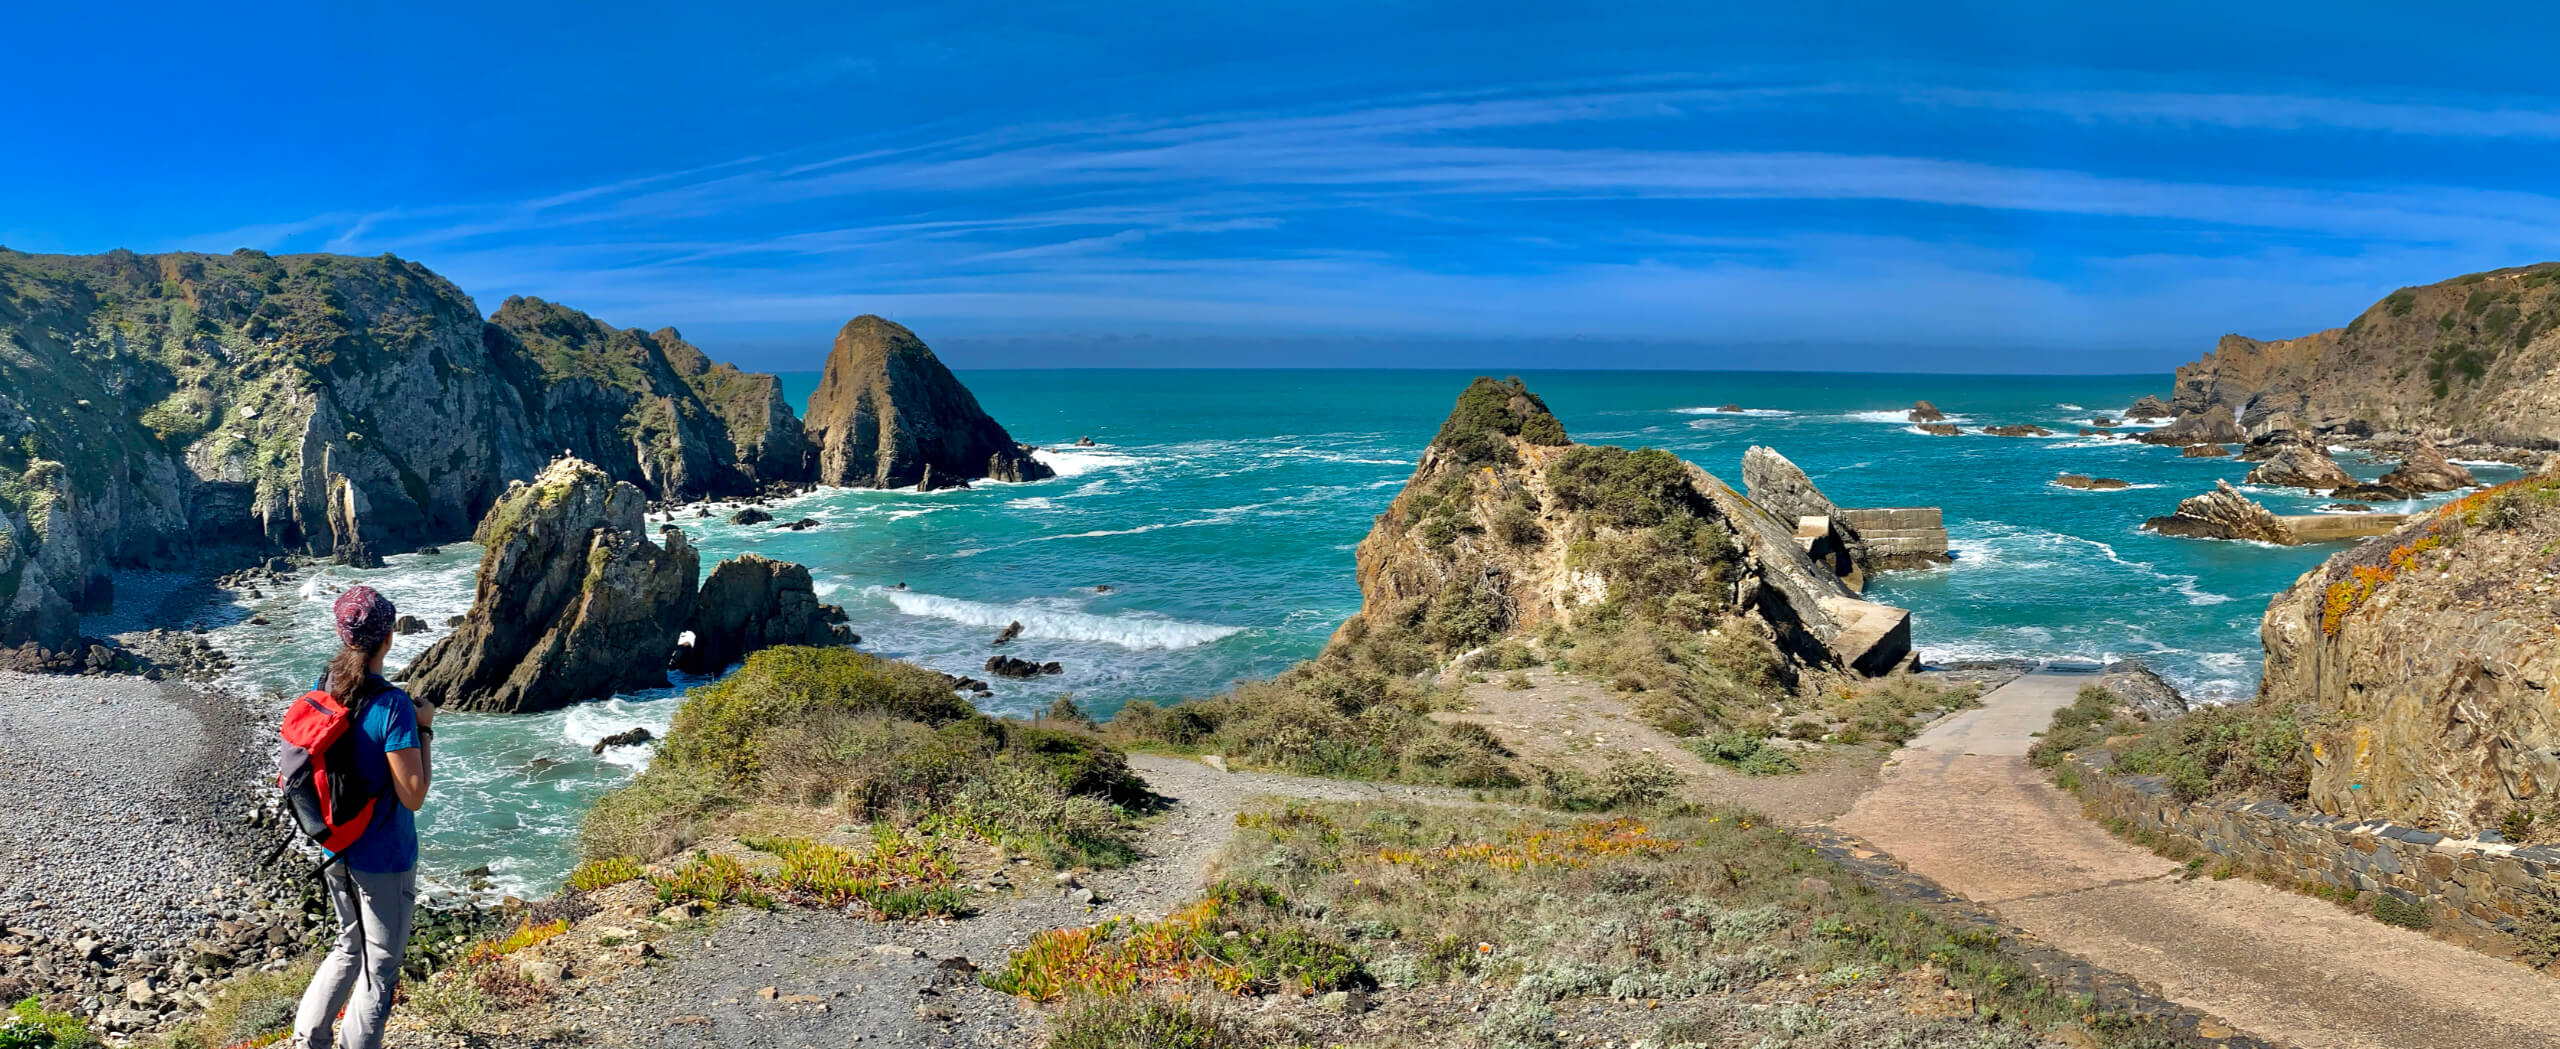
1221	509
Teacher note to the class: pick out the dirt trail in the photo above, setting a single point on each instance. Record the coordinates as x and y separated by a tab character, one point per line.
1961	805
846	982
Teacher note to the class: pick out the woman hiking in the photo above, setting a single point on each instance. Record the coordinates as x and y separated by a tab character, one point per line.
374	886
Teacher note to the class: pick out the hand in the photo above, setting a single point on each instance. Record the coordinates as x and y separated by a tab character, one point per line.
426	713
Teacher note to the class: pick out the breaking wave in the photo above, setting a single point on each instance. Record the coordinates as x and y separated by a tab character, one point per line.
1043	621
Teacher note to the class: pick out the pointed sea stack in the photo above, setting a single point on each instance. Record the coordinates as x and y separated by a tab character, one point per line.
887	414
574	601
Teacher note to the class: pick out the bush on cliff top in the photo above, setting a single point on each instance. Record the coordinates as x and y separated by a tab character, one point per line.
878	740
1489	411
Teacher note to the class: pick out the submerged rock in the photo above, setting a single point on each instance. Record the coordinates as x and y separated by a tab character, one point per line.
2087	483
2223	513
888	414
2425	469
1008	666
750	516
630	737
573	601
753	602
2204	451
1939	430
2018	430
1011	630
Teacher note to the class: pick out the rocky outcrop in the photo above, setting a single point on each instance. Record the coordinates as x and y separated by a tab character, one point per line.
2476	356
2150	408
887	414
2018	430
2212	425
1940	429
753	602
2145	692
573	600
1507	526
1009	666
1925	412
2204	451
2086	483
2223	513
2423	665
2300	464
2425	469
153	405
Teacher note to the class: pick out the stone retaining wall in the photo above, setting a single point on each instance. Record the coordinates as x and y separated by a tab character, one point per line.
1904	534
2474	892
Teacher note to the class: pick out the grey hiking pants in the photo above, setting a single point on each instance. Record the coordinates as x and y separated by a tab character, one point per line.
374	911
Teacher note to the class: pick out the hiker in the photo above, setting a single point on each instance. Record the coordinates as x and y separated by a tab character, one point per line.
373	882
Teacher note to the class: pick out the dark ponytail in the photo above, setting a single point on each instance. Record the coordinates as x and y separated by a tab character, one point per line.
347	679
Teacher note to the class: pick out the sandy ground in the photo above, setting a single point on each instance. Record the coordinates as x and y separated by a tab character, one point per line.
1961	805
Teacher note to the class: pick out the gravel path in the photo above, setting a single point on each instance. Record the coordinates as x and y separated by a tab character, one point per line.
125	836
1961	805
837	982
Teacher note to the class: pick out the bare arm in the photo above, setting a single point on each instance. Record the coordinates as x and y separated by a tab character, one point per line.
413	770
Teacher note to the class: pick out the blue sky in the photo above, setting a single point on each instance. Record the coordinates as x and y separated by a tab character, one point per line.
1966	187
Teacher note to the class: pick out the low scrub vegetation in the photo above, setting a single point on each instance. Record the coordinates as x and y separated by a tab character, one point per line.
29	1025
2253	749
1339	715
877	741
1537	930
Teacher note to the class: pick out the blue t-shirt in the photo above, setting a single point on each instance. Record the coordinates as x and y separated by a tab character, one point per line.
390	844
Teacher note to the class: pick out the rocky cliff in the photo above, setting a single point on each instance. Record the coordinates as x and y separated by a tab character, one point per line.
2476	357
2425	665
887	414
152	404
573	601
753	602
1507	526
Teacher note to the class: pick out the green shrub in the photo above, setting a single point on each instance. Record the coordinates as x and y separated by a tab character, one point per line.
2255	748
2392	910
1625	489
603	872
29	1025
1488	412
1627	783
878	740
2092	716
1144	1020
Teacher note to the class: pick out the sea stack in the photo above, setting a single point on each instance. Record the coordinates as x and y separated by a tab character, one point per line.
888	414
574	602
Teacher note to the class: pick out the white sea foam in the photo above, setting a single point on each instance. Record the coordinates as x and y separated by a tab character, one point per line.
1037	502
587	724
1136	630
1077	462
2099	491
1765	413
1900	416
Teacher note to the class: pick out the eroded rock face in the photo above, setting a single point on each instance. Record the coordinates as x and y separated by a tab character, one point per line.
2223	513
2425	469
2150	408
1480	546
753	602
887	414
326	405
2301	464
2477	356
2213	425
574	601
2426	661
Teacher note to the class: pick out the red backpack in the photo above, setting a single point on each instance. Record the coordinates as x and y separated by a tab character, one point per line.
331	801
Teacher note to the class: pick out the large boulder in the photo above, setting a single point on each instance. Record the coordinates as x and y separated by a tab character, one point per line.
2150	408
2223	513
753	602
1925	412
2421	665
574	602
2301	465
888	414
2425	469
2214	425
